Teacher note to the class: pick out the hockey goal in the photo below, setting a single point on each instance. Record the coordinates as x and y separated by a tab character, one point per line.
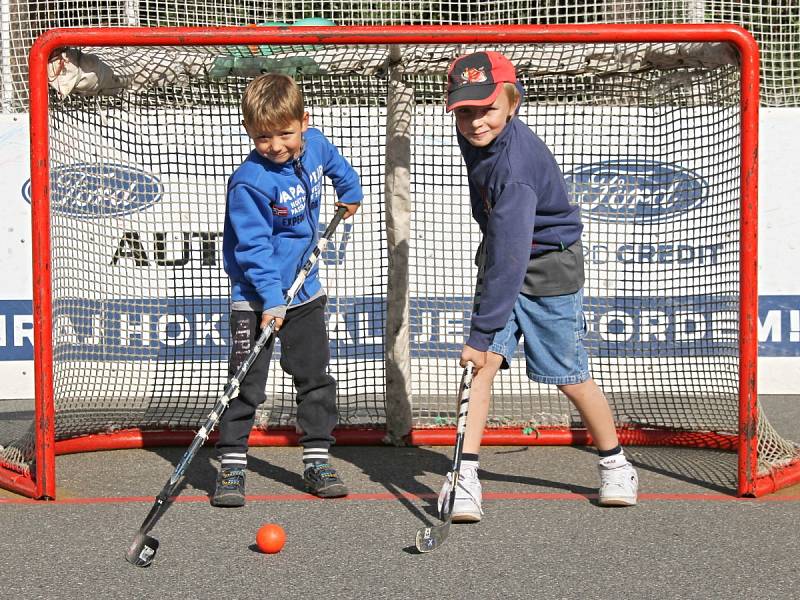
135	131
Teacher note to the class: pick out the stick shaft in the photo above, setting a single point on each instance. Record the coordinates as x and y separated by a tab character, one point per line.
461	427
431	538
164	498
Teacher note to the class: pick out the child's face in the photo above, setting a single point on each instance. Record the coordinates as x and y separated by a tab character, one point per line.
281	144
482	124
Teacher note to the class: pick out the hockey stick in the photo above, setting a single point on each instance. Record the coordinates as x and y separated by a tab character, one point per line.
430	538
143	548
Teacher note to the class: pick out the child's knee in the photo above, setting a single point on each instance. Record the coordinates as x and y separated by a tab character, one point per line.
572	390
584	390
251	394
571	387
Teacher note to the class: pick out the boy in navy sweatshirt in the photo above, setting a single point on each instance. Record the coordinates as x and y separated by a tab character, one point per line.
530	278
271	219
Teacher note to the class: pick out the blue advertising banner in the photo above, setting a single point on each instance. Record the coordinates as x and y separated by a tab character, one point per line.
198	327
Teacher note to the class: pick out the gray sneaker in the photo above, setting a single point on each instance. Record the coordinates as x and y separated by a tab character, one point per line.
322	480
230	488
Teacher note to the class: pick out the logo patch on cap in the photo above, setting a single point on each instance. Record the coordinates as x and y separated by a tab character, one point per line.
474	75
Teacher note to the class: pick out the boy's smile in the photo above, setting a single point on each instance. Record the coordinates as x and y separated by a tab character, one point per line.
280	144
482	124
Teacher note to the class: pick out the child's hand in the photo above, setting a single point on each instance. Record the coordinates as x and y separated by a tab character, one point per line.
351	209
267	319
471	355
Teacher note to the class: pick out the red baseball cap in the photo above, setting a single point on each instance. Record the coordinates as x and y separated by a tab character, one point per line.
476	79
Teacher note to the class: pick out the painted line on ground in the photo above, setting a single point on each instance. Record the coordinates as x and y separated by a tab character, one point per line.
387	496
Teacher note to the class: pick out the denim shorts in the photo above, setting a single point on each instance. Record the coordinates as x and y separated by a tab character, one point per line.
552	329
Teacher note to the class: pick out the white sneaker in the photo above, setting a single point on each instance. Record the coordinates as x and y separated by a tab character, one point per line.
619	482
467	505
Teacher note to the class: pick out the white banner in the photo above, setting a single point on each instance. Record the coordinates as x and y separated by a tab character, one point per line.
134	242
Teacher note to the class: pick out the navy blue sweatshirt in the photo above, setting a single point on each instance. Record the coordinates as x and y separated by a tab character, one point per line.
520	201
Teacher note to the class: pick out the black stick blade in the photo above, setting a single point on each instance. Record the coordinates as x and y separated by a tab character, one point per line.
430	538
142	550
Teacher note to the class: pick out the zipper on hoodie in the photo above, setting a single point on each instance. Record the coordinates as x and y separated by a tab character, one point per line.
301	174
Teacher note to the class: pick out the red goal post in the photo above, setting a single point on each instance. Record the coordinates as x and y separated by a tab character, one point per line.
36	476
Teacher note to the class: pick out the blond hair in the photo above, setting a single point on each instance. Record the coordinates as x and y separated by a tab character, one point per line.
512	93
271	101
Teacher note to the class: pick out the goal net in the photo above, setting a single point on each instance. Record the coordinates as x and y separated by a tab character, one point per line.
775	24
137	131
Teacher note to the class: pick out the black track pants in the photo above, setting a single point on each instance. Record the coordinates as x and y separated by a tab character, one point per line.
304	355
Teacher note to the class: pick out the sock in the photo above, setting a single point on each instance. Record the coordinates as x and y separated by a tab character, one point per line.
605	453
233	460
312	456
614	460
469	461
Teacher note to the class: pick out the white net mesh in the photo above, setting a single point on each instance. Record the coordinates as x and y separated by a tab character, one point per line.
775	25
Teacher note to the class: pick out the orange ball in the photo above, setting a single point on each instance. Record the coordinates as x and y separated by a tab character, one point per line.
270	538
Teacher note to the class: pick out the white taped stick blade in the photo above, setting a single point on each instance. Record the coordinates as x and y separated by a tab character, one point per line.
142	550
430	538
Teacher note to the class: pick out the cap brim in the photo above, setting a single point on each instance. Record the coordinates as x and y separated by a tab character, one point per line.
473	95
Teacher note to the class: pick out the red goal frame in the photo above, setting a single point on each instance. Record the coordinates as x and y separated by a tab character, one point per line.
42	484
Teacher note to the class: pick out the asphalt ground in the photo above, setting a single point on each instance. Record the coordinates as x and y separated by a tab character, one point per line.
542	535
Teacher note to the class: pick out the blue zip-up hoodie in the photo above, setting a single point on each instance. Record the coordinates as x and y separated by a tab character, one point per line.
271	219
520	201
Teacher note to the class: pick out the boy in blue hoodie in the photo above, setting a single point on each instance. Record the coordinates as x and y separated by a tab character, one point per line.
530	279
271	219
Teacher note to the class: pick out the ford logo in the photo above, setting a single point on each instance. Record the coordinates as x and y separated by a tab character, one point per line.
99	190
635	190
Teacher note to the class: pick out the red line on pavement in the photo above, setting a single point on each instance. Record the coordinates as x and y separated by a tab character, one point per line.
387	496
